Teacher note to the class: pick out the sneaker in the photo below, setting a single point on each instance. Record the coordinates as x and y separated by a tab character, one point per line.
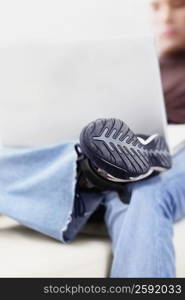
117	154
89	180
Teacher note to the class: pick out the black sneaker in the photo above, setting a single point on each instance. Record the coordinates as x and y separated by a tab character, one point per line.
120	155
89	179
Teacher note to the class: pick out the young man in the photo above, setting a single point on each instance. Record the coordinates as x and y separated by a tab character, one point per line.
169	24
56	189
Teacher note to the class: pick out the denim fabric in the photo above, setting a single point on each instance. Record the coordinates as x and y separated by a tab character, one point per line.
142	231
37	188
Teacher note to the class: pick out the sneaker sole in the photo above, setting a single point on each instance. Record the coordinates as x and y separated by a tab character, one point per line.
112	146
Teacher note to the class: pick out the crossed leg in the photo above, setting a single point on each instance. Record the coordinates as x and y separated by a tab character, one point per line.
142	231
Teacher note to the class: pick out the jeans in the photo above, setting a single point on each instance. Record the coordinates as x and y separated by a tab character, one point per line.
38	190
142	231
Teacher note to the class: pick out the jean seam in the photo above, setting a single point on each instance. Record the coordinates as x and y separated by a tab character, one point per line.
160	193
158	238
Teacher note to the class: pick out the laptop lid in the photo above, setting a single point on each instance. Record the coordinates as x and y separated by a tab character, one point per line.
49	91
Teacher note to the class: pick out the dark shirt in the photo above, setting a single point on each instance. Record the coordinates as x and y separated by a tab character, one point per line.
173	81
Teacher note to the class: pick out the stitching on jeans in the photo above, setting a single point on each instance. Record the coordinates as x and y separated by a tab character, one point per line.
160	193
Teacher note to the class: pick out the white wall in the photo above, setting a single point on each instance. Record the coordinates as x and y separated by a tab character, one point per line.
71	19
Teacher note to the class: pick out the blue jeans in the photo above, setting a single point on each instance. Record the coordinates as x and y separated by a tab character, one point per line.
38	187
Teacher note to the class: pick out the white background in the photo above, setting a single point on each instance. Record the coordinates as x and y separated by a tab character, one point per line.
71	19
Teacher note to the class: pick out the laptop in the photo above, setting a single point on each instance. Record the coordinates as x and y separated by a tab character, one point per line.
50	91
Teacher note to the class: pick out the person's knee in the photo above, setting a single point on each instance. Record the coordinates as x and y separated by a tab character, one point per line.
172	198
162	196
153	196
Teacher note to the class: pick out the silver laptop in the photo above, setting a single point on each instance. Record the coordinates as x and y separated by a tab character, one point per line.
49	91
